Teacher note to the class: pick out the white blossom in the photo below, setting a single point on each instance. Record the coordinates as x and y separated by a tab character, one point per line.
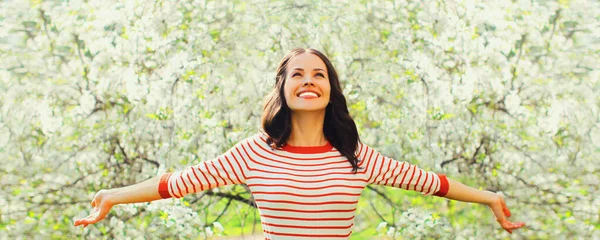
180	81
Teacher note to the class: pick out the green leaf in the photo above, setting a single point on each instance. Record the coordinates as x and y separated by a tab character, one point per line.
446	116
384	35
473	108
152	116
215	34
164	215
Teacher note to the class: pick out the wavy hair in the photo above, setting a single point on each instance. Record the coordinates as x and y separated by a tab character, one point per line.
339	128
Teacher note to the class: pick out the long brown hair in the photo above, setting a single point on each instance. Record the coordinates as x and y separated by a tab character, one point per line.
339	128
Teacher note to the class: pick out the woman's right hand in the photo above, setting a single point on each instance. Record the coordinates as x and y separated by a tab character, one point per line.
101	206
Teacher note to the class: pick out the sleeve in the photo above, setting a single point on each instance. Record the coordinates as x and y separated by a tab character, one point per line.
382	170
227	169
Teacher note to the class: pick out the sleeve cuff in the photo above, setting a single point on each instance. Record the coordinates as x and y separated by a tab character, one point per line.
444	186
163	188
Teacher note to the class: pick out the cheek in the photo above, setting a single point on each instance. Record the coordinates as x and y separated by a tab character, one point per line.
327	90
286	91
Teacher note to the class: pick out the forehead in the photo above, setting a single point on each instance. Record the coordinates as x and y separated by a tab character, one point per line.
306	61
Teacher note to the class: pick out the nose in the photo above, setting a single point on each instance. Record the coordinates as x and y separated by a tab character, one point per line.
307	80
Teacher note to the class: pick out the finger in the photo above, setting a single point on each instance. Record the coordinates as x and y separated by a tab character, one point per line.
85	220
517	225
505	209
510	226
78	222
93	202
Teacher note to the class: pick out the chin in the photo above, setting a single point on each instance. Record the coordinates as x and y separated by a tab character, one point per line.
308	108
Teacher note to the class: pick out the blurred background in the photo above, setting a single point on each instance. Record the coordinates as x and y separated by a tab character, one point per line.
501	95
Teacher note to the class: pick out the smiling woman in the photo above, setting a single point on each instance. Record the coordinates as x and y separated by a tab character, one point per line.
307	81
307	168
297	120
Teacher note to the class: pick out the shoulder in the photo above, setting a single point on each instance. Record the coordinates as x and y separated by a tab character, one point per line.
253	138
258	139
365	151
361	147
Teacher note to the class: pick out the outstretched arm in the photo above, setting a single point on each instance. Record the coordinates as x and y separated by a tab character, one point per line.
461	192
104	200
228	168
383	170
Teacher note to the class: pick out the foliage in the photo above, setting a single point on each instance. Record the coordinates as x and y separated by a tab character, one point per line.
101	94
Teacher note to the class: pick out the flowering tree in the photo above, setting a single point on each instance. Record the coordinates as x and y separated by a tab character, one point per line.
102	94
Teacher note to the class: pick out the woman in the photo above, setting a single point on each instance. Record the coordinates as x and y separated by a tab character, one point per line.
307	169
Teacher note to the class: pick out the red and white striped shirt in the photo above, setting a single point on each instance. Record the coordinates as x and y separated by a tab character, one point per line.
301	192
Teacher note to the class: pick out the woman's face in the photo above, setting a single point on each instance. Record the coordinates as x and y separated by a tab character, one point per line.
307	85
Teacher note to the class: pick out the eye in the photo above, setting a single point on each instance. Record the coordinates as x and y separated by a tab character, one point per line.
293	75
320	74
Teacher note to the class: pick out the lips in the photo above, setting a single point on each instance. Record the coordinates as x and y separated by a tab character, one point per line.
308	94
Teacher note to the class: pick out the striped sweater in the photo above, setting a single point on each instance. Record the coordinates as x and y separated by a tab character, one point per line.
301	192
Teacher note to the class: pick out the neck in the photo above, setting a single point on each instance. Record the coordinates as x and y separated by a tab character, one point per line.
307	129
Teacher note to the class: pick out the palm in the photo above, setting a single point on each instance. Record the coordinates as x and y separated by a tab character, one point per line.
101	207
501	212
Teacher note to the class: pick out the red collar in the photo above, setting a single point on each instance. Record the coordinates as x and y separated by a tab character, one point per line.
308	149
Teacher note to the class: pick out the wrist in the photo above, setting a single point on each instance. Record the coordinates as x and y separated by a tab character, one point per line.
110	196
490	198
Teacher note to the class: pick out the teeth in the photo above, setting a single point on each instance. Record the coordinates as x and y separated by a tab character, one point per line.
308	94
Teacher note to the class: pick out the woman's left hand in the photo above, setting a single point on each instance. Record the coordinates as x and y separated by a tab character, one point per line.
498	207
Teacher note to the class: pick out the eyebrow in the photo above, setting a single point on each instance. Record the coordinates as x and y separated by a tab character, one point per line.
316	69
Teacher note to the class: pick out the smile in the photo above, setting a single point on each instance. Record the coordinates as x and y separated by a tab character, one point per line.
308	95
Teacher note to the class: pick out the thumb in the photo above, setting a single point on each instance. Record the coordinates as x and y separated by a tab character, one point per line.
505	209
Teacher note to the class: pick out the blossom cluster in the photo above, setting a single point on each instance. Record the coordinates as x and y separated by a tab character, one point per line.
102	94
